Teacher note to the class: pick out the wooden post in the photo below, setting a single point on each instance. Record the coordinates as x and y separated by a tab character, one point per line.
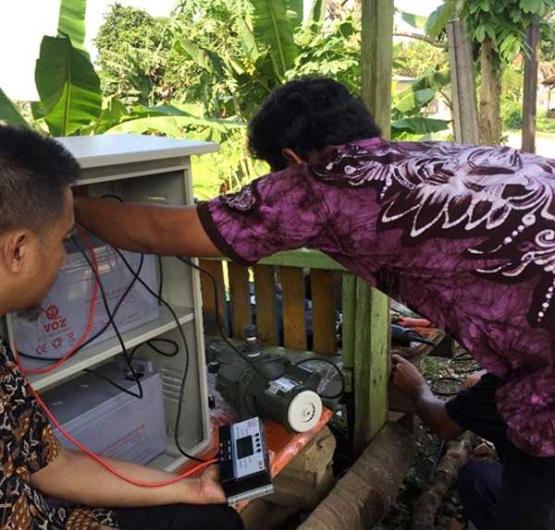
465	111
377	60
531	90
368	339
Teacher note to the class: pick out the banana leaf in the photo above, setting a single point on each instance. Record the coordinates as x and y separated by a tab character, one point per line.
68	86
71	22
9	113
274	32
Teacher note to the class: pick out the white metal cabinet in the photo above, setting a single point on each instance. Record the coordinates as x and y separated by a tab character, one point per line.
153	170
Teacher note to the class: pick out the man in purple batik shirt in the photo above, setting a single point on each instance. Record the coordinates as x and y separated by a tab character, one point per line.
464	235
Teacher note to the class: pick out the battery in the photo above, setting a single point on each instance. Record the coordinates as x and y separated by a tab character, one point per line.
65	312
108	421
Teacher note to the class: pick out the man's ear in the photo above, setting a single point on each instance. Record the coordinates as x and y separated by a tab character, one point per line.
292	157
14	247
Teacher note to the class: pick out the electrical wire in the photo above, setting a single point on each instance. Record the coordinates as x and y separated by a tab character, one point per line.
333	365
98	333
82	340
255	366
187	356
113	323
109	467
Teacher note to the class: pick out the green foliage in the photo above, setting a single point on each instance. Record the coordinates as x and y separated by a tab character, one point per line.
546	125
418	126
511	114
274	34
9	113
68	87
415	58
133	54
335	53
71	22
504	22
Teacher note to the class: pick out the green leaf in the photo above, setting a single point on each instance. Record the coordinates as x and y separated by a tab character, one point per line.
416	21
172	125
274	31
318	13
113	113
295	12
68	86
419	126
438	20
206	59
409	102
480	33
71	22
247	40
434	80
531	6
9	113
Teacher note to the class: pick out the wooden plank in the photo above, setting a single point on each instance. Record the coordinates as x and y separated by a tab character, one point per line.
312	259
371	364
531	70
372	335
241	313
266	310
292	290
465	110
215	268
348	327
323	311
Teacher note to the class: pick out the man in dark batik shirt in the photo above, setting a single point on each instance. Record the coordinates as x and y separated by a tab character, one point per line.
464	235
36	216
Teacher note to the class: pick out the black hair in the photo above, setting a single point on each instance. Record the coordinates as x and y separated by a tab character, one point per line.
34	173
308	114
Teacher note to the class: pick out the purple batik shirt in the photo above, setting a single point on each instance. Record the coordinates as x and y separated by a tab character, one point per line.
464	235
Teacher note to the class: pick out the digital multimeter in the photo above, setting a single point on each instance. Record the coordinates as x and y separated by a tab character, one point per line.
244	464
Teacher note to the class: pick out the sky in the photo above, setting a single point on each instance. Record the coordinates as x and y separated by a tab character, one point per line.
24	22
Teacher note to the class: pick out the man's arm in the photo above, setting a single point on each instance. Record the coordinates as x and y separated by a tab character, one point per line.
429	408
162	230
74	477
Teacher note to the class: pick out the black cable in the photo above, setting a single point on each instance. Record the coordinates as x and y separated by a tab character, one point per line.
187	355
150	343
434	382
253	365
465	359
160	279
104	328
111	381
337	370
112	321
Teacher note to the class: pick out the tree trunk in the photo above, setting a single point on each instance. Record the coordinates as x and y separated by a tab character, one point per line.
446	473
363	496
531	71
490	100
463	83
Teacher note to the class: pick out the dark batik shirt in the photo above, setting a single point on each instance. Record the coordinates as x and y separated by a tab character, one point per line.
464	235
27	444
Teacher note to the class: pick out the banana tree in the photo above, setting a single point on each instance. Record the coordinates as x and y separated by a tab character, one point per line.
408	106
68	86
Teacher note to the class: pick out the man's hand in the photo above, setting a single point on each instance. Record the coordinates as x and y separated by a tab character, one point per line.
407	378
211	491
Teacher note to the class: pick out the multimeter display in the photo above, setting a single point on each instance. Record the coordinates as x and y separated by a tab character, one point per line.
245	447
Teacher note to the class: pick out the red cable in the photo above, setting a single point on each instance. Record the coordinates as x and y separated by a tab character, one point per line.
107	465
59	362
90	321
